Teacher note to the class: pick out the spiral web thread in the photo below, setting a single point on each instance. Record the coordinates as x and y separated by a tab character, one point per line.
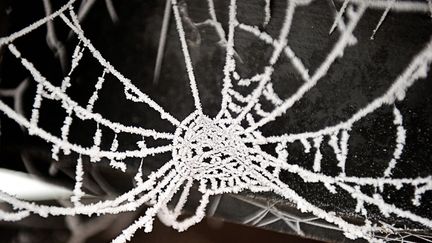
221	154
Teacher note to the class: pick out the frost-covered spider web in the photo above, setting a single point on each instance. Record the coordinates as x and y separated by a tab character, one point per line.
225	154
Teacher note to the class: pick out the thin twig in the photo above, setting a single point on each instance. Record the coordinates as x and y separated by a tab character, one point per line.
162	41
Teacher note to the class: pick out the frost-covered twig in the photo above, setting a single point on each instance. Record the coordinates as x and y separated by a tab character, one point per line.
383	16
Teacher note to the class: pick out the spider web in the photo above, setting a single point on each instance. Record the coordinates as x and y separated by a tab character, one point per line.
225	154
